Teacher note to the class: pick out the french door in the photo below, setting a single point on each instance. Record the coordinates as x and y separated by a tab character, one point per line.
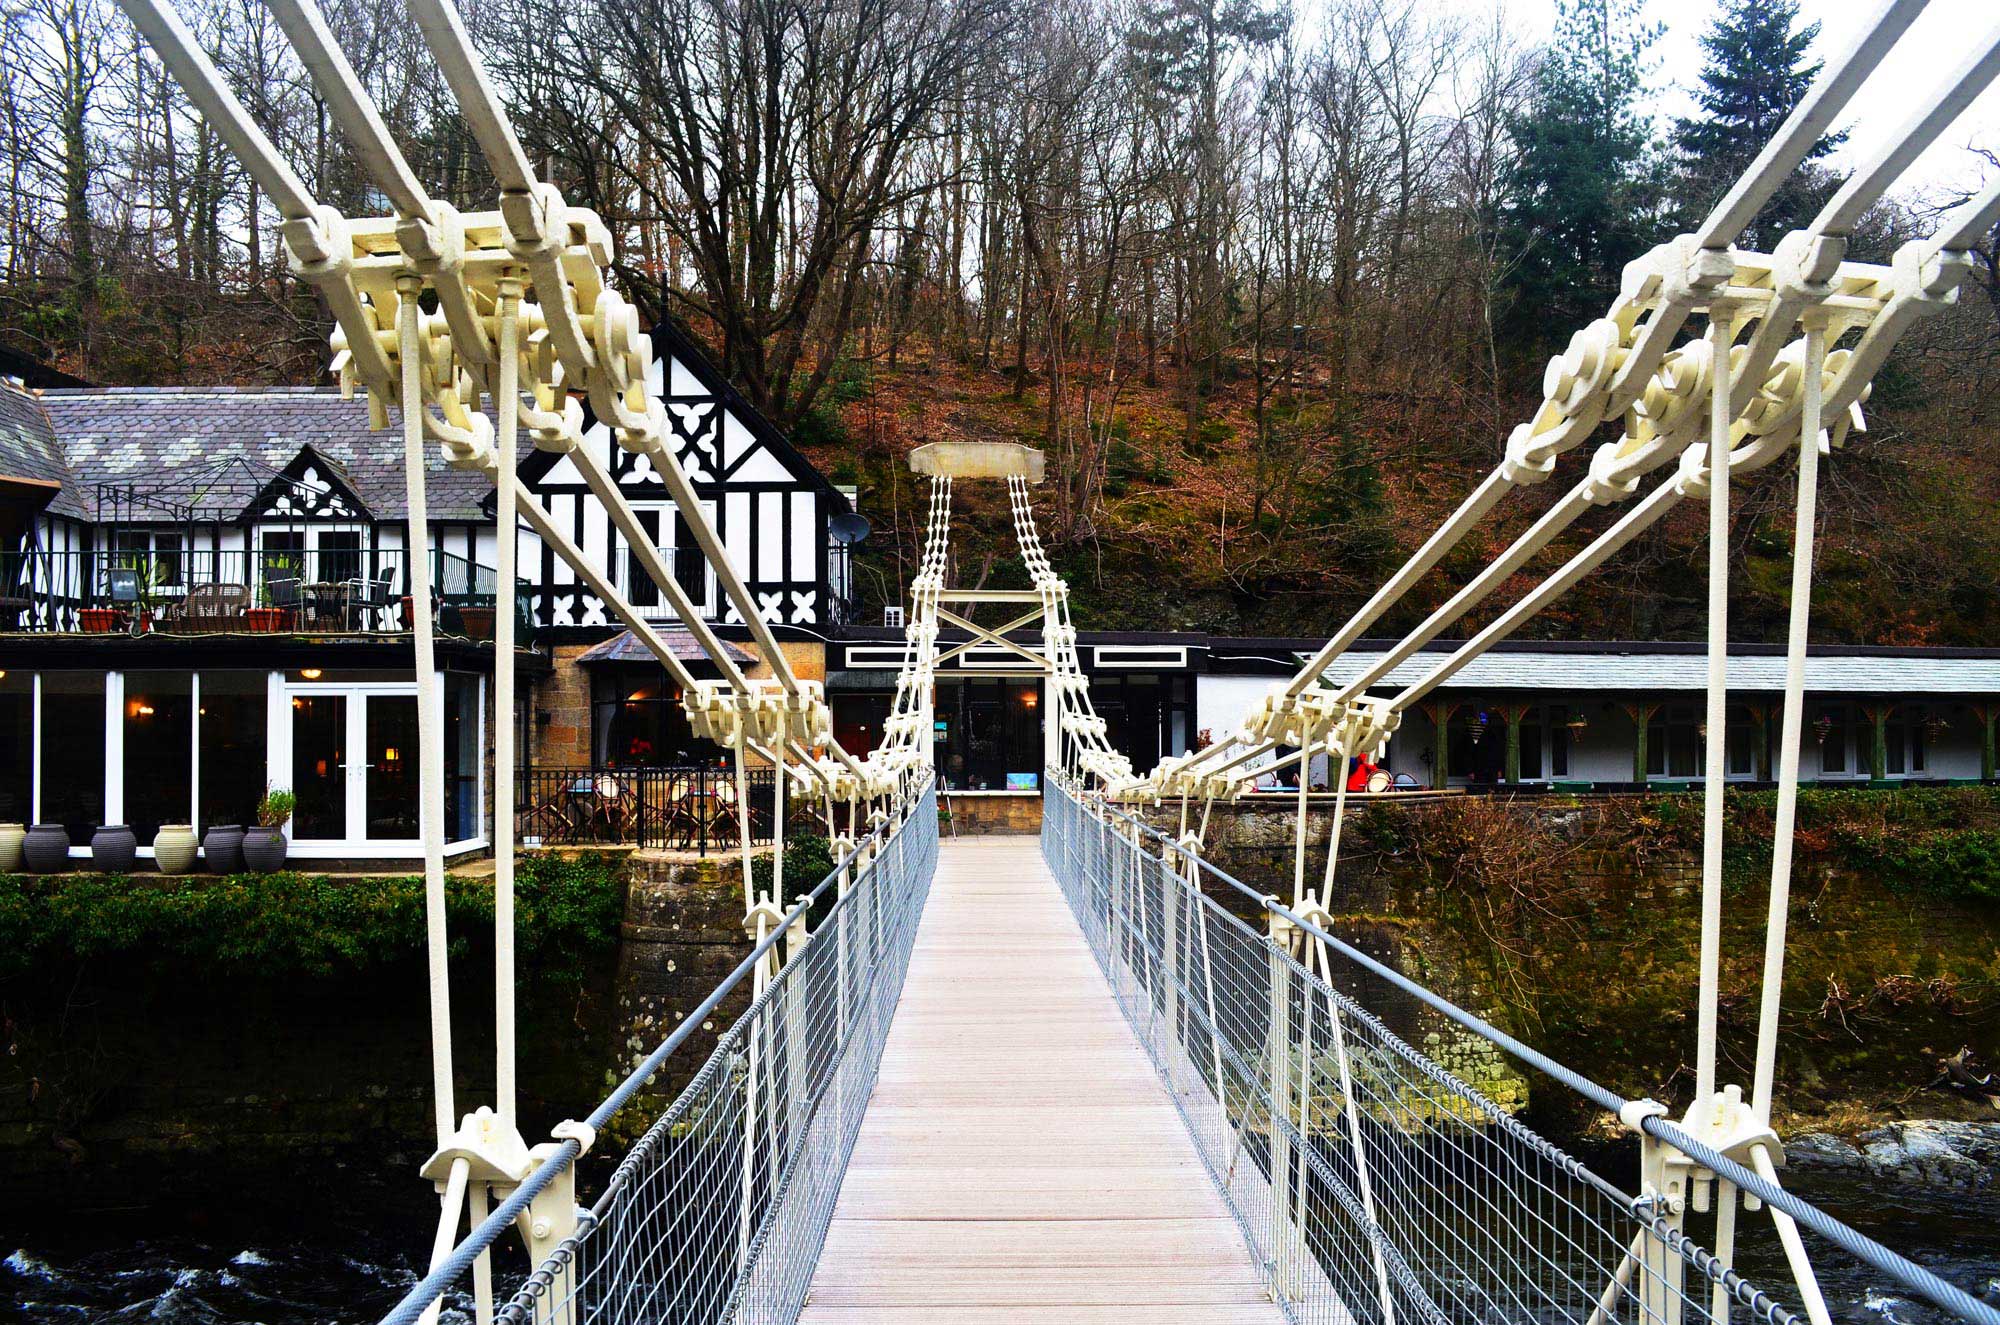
354	766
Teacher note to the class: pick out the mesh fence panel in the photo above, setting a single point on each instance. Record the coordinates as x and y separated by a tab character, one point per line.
718	1211
1372	1184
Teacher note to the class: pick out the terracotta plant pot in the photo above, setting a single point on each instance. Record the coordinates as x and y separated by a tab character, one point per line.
98	620
174	848
265	620
264	849
409	613
45	850
11	837
477	622
222	849
114	849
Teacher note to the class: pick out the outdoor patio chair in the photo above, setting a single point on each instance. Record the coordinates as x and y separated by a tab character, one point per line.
375	598
286	594
213	607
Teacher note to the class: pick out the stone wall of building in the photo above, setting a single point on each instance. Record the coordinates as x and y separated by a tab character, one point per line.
560	732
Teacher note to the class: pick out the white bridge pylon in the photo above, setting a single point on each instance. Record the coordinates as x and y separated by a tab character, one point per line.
1073	736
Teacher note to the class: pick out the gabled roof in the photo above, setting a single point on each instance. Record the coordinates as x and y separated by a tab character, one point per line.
133	434
670	339
28	446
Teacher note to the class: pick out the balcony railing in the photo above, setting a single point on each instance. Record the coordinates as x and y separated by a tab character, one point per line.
674	809
196	591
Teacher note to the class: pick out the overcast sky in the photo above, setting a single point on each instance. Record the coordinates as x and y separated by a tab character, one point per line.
1937	43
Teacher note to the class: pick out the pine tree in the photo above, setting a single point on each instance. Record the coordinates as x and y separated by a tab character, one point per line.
1757	70
1579	200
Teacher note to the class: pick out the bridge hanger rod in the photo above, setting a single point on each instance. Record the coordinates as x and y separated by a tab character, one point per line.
354	110
1866	186
1962	228
444	32
1809	121
320	249
528	208
1829	95
1980	70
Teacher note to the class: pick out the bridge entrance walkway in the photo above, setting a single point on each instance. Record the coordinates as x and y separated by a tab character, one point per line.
1020	1160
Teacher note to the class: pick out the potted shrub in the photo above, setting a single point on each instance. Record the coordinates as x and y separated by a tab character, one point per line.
11	837
264	620
264	846
45	850
222	848
114	849
174	848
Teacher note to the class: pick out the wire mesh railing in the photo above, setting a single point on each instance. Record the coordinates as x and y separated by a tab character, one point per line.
718	1211
1371	1183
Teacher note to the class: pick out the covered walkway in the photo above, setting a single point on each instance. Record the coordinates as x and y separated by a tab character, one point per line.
1020	1160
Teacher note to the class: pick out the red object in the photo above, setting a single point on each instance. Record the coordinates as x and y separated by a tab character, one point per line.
99	620
1362	770
265	620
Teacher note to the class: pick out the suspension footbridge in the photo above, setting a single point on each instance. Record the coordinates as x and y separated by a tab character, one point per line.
1020	1159
1096	1078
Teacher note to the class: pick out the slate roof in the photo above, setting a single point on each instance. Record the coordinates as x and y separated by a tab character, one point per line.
625	647
28	447
133	434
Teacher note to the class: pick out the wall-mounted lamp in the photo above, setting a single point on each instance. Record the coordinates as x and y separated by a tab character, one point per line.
311	673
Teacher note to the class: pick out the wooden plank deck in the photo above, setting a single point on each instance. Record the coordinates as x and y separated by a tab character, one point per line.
1020	1160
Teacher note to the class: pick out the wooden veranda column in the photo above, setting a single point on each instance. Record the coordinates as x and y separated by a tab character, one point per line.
1440	711
1641	713
1514	713
1878	739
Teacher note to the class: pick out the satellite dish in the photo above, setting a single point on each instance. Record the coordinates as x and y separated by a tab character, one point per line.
848	527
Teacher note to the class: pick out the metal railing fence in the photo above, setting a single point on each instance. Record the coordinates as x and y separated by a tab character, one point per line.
185	590
691	808
718	1211
1371	1183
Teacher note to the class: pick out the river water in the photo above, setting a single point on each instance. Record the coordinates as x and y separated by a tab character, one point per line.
349	1260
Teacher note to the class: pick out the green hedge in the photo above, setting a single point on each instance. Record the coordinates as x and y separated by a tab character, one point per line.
286	925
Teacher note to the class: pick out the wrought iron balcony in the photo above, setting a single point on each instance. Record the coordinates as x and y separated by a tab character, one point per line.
235	591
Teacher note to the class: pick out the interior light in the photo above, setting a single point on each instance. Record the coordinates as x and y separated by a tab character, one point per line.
311	673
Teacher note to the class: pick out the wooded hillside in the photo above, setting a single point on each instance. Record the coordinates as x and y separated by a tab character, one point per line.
1271	288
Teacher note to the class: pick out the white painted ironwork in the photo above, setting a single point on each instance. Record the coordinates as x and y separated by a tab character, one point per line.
717	1214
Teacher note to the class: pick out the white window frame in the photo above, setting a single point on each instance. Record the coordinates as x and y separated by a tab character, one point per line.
311	532
356	844
622	567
